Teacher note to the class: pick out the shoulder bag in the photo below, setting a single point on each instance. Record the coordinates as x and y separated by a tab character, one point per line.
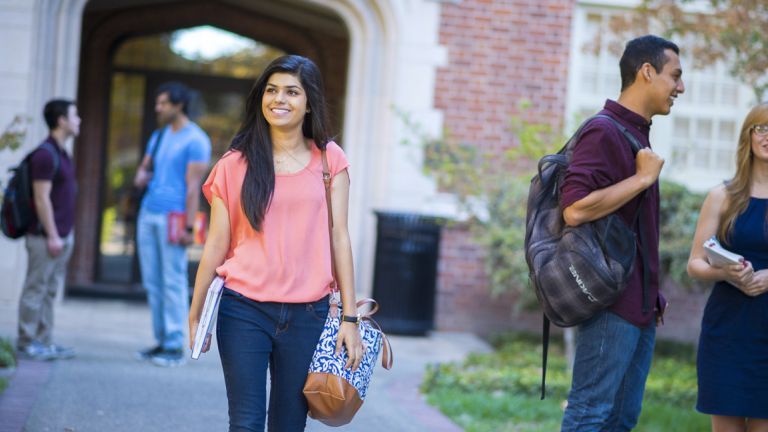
334	393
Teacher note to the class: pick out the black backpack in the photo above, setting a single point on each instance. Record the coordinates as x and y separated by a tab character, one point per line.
17	214
576	271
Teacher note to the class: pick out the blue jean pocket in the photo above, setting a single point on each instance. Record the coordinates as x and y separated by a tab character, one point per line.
319	309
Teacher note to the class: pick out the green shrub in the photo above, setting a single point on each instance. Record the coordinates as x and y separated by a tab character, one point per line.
500	391
678	213
7	354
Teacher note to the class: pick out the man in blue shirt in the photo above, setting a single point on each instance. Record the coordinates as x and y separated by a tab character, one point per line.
172	169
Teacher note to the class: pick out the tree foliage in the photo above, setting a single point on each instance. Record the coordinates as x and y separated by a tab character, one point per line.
732	31
13	135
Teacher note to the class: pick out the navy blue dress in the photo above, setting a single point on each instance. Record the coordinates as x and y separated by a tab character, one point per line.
733	346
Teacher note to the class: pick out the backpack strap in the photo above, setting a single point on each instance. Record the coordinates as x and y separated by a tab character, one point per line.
544	352
156	148
636	147
54	155
37	226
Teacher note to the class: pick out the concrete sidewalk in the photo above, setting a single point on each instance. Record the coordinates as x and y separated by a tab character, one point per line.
105	389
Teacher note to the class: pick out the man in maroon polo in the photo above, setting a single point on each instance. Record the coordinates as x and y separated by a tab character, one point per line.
614	348
49	243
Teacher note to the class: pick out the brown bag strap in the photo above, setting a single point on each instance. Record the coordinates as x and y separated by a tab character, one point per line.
335	300
327	182
386	358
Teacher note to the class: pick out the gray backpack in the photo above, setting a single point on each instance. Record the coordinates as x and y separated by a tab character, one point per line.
576	271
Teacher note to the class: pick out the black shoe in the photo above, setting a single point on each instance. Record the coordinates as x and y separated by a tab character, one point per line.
148	353
169	358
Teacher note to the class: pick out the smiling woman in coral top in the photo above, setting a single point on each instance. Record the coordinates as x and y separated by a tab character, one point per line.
269	240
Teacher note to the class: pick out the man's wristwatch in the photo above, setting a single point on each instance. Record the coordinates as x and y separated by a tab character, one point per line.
351	319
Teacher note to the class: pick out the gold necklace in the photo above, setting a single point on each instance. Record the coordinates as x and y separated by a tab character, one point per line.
280	161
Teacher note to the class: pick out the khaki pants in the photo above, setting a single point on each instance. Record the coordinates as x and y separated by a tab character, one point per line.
45	277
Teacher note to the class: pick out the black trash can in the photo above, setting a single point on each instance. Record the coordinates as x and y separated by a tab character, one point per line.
405	271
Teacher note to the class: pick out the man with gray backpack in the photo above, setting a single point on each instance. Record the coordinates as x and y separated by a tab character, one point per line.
594	258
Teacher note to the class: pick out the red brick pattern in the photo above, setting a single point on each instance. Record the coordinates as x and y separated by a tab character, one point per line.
499	53
463	301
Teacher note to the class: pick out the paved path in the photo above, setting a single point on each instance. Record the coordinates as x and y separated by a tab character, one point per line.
105	389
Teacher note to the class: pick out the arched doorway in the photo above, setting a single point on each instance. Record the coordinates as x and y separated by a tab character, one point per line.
126	53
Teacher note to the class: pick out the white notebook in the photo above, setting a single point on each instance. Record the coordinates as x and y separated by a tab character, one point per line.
208	317
718	256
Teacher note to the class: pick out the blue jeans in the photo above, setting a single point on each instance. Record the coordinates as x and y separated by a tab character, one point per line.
613	358
253	336
164	276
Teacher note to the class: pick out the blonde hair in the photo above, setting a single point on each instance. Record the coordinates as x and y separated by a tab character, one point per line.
738	189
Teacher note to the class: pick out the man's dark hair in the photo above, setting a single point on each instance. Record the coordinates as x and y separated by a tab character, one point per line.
54	109
645	49
177	92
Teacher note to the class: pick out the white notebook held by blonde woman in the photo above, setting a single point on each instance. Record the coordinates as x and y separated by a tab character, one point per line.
208	317
718	256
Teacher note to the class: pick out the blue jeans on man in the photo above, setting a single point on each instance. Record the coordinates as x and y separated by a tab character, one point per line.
255	336
164	276
613	358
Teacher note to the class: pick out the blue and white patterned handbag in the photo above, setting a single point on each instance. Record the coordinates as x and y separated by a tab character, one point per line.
335	393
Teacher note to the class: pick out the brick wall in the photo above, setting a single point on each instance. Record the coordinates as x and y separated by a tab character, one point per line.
499	52
463	301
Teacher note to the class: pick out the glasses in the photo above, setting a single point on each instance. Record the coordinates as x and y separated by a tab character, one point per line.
761	129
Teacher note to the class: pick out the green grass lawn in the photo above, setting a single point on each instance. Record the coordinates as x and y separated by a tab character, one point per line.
500	391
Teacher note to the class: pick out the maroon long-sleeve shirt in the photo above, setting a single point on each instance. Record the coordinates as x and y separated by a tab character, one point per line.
603	157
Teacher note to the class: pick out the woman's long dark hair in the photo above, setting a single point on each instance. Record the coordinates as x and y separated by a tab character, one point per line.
254	141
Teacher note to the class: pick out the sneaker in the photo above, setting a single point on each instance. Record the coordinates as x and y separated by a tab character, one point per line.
147	354
62	353
169	358
37	351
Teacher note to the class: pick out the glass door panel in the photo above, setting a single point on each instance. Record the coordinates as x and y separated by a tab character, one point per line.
124	146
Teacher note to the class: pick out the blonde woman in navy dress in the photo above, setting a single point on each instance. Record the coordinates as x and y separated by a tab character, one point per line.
732	360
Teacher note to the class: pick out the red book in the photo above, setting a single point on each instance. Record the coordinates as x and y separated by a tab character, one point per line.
177	226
